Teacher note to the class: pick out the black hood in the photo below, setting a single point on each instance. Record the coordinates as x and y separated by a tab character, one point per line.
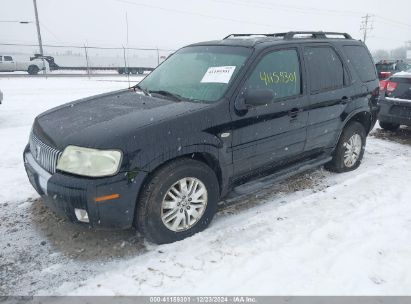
104	120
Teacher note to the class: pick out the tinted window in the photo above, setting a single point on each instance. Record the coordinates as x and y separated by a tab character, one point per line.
361	61
8	58
1	58
278	71
325	68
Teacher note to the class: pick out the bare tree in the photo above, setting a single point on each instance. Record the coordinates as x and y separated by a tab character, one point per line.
399	53
380	55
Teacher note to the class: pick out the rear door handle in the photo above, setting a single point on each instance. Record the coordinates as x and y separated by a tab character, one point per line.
293	113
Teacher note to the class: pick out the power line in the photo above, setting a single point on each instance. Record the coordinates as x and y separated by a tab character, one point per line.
198	14
297	9
50	32
386	38
393	21
88	47
15	21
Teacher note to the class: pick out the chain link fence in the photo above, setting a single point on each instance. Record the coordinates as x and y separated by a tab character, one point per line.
90	60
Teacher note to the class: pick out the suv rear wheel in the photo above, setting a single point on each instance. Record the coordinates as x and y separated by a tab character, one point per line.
350	149
179	200
388	126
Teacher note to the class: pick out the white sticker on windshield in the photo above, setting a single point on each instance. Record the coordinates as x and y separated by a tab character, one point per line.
221	74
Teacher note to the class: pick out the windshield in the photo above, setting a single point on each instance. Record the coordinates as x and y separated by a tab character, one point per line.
197	73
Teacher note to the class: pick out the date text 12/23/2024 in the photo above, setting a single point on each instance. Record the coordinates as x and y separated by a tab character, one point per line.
203	299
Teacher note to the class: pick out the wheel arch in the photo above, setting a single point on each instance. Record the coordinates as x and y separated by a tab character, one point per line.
208	158
207	154
362	116
205	157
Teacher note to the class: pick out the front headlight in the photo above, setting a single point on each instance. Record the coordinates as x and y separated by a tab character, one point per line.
89	162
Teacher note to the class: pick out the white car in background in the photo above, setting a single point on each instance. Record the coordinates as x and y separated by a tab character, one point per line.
9	64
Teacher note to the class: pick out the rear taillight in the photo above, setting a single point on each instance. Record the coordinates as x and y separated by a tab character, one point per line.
383	84
391	86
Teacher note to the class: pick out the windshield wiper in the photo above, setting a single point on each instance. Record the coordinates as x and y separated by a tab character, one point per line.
168	94
141	89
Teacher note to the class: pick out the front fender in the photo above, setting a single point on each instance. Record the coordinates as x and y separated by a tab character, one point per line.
180	151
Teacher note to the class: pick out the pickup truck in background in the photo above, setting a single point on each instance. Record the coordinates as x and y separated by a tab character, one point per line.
8	64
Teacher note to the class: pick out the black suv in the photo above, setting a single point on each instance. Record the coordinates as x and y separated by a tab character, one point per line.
160	155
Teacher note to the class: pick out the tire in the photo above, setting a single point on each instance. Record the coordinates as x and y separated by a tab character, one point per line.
140	71
388	126
121	71
351	135
33	70
133	71
152	217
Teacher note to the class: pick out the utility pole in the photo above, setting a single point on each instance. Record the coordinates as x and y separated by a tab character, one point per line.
127	27
38	27
126	55
366	25
408	51
39	36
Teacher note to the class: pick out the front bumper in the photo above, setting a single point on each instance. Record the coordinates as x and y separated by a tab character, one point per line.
63	193
395	110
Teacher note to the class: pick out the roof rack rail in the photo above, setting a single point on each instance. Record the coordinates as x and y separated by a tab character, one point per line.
247	35
290	35
318	34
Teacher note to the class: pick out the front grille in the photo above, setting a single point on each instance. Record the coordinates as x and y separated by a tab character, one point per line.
45	155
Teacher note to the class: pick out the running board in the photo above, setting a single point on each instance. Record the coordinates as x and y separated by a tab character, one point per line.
231	199
288	171
296	169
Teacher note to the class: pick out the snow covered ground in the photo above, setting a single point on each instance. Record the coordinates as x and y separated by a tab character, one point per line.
314	234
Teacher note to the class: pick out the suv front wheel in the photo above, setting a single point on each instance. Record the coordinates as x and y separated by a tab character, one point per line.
350	149
179	200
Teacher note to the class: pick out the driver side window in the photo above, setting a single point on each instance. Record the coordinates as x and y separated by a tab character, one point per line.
278	71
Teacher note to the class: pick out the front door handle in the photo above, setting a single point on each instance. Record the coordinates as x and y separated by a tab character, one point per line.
345	100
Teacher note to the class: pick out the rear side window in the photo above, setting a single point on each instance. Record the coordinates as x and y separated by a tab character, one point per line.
278	71
8	58
361	61
325	68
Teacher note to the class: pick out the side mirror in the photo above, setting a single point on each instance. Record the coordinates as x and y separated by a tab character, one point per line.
253	98
259	97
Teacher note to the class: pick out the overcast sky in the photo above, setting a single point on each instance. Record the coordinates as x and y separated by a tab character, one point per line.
172	24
